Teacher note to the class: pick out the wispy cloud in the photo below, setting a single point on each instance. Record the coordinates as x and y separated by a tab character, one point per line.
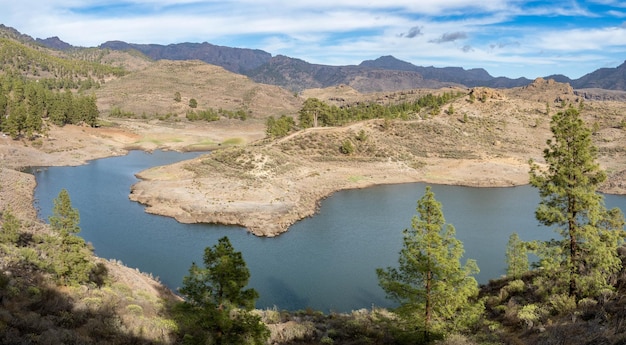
450	37
413	32
509	37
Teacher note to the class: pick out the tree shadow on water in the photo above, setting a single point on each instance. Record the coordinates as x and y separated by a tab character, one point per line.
368	299
286	297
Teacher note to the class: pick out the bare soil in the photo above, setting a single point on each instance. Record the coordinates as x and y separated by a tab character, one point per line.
266	186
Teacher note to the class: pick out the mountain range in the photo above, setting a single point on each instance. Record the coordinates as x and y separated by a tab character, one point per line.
386	73
368	76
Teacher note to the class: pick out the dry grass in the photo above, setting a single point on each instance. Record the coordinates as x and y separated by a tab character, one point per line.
151	90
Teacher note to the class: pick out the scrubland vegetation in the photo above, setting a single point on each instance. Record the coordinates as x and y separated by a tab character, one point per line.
54	290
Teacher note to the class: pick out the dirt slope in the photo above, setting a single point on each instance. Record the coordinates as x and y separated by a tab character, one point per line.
151	91
484	142
268	185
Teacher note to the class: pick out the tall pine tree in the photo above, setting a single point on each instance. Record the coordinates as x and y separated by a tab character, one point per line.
217	305
65	218
71	257
516	257
569	201
430	284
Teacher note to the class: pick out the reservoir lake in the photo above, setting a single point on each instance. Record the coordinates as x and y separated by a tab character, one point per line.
326	262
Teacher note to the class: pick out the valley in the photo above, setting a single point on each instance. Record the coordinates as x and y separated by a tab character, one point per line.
484	137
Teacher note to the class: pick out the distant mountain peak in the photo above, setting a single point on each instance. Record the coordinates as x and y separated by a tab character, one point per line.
54	43
389	62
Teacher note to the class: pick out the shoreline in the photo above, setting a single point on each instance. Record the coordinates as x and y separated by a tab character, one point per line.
269	208
272	189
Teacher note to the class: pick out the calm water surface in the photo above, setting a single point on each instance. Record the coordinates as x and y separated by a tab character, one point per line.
326	262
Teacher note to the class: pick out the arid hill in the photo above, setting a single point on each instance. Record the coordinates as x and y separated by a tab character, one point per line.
151	91
482	139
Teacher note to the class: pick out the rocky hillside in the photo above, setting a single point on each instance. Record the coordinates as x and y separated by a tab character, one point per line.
237	60
604	78
484	138
470	78
383	74
298	75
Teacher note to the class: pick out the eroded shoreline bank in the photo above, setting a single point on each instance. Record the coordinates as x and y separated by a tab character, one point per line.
267	190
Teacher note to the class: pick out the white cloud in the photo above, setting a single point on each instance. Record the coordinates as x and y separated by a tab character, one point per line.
577	40
476	33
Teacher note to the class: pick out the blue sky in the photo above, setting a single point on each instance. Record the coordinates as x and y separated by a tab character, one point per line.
509	38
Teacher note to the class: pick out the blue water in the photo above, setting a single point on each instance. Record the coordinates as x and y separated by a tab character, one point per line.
326	262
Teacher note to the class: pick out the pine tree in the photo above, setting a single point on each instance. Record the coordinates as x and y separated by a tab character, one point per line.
10	231
16	121
430	284
65	218
312	113
516	257
569	200
216	307
70	255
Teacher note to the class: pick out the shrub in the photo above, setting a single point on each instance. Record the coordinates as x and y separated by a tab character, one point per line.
450	110
134	309
10	231
362	136
99	274
327	340
562	303
515	286
346	147
531	314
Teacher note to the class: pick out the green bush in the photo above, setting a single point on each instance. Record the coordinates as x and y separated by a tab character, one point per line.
516	286
346	147
562	303
362	136
276	128
134	309
10	231
529	314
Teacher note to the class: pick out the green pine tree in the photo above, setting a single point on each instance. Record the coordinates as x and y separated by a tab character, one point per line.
10	231
65	218
570	202
312	112
516	257
71	257
217	305
431	285
16	121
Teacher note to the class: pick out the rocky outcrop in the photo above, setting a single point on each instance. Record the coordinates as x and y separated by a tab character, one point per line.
485	93
601	95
